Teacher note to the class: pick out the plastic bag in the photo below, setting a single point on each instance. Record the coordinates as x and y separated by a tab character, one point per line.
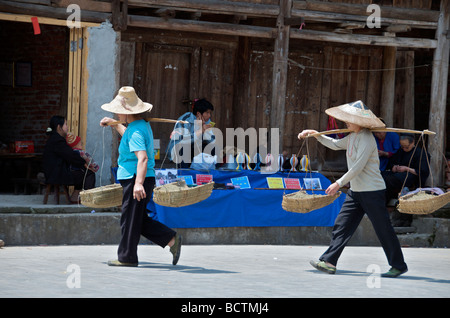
204	161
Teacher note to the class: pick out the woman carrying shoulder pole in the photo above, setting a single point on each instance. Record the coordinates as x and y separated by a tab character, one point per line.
136	174
367	189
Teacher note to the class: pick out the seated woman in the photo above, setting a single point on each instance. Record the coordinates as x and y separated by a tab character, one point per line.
58	156
84	175
188	135
388	144
406	168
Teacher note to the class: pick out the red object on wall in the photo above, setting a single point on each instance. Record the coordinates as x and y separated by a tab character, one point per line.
23	146
36	28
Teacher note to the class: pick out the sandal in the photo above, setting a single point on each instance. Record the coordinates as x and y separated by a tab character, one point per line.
322	266
393	272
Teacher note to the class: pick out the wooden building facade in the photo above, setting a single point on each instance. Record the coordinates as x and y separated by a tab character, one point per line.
272	63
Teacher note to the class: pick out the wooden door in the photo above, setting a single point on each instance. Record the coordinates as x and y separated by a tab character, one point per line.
169	76
162	78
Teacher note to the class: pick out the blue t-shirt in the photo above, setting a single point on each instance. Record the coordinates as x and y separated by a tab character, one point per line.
138	136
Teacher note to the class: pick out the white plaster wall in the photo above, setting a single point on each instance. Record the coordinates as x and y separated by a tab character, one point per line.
103	67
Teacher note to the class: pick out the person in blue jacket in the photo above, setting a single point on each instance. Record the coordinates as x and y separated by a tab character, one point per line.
136	174
193	135
388	143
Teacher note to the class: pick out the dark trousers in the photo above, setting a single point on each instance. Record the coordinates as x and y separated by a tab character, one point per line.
83	180
393	185
135	222
355	206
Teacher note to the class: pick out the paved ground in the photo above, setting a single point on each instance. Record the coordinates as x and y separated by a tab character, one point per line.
223	271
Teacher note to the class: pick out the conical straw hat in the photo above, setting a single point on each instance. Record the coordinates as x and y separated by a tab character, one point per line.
356	113
127	102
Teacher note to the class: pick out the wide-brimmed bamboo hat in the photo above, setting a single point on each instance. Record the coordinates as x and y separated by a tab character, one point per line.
127	102
356	113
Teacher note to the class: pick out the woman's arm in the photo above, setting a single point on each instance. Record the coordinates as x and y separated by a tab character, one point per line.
138	190
404	169
120	128
334	144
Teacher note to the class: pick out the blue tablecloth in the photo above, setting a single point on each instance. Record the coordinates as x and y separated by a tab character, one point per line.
246	207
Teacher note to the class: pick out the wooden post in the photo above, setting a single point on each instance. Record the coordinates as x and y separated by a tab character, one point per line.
82	131
439	95
388	85
280	68
119	10
73	105
408	107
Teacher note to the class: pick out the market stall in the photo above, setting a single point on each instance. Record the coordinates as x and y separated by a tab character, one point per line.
254	203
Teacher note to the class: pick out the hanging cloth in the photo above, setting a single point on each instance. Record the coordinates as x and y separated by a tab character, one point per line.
332	125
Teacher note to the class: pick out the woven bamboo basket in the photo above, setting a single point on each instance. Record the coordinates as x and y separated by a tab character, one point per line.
102	197
422	203
302	202
178	194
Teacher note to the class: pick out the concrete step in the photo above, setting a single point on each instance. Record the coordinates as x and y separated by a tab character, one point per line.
22	222
416	240
408	236
103	228
405	229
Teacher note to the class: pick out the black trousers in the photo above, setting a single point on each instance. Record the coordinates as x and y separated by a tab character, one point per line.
135	222
81	178
355	206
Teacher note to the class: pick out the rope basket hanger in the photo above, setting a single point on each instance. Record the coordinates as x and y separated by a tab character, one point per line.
107	196
303	202
414	203
421	202
178	194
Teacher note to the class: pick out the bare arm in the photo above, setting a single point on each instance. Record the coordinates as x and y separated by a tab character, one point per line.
120	128
138	190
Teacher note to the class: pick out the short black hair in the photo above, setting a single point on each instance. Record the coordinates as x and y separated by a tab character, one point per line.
409	137
201	105
56	121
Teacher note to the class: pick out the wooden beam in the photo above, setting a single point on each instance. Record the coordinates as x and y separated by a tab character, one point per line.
84	5
166	13
361	9
279	72
42	20
44	2
363	39
50	12
267	32
439	82
200	26
341	17
212	6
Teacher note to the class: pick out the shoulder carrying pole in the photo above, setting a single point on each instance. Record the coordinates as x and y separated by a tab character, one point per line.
387	129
